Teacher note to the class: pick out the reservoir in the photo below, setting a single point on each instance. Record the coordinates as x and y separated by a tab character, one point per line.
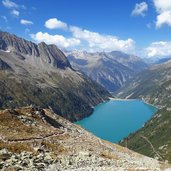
116	119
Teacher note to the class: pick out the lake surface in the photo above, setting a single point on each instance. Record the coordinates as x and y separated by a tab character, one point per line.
115	119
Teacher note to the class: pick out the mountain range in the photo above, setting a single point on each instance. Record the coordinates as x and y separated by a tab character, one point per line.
111	69
41	75
153	86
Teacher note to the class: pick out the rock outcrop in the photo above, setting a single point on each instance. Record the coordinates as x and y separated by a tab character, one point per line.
35	139
4	65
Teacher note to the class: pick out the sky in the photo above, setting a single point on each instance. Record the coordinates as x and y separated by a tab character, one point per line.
140	27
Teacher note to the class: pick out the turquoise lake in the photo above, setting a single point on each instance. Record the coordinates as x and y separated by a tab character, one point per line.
115	119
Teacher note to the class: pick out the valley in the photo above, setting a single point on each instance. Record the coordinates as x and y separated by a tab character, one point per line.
116	119
111	70
43	90
153	86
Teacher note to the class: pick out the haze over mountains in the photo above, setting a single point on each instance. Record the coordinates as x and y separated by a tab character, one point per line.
42	75
111	69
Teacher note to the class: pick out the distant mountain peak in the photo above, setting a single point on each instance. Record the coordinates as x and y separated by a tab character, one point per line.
110	69
52	55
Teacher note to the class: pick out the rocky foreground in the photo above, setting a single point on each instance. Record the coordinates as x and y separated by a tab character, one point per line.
38	139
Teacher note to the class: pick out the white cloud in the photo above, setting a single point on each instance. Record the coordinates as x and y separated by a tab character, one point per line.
162	5
163	8
99	42
84	39
140	9
59	40
54	23
9	4
13	6
164	19
159	49
15	12
26	22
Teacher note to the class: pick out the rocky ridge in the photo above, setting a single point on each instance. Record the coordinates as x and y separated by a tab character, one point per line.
38	139
45	53
42	75
111	69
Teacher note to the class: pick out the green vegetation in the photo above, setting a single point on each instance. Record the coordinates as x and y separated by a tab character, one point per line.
154	86
154	139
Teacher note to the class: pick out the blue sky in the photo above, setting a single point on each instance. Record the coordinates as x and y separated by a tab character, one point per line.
133	26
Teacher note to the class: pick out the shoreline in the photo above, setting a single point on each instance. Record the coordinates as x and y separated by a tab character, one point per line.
150	104
119	99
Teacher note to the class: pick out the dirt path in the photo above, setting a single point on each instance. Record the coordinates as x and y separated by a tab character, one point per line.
152	147
33	138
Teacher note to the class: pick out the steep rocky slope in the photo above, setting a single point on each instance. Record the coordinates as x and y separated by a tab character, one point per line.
111	70
42	75
38	139
154	86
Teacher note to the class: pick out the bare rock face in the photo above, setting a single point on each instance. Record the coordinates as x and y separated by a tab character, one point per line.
48	54
52	55
8	41
110	69
42	75
4	65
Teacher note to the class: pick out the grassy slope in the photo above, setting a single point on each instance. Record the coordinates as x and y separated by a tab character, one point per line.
154	86
158	132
